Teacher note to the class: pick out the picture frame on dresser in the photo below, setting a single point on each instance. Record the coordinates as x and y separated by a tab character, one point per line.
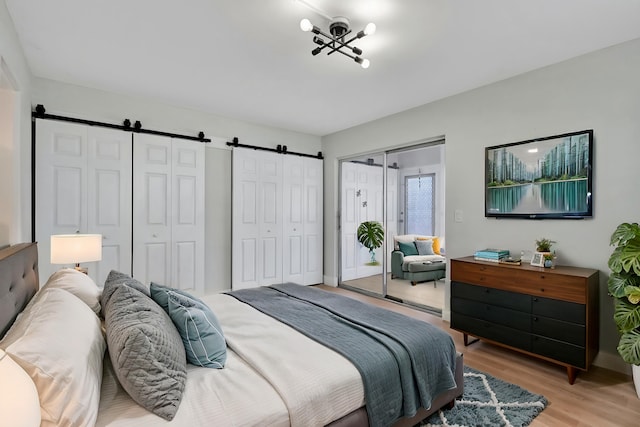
537	259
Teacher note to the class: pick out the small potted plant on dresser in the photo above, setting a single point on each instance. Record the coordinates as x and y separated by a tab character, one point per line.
543	245
624	287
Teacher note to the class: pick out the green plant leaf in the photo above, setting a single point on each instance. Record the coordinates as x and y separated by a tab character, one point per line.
633	294
625	232
626	258
626	315
618	282
370	234
629	347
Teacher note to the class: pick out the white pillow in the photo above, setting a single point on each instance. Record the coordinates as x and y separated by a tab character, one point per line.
58	341
19	403
79	284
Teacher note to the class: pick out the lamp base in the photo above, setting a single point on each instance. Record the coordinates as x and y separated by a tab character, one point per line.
81	269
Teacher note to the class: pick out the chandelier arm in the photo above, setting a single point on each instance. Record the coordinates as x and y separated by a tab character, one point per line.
342	44
344	53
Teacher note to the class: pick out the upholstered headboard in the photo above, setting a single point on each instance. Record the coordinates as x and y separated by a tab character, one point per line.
18	281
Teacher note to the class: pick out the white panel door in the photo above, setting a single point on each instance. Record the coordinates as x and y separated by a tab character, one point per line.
152	201
349	220
61	177
294	253
245	227
109	199
313	224
270	218
187	227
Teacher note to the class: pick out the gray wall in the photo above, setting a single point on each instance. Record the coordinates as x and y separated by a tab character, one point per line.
599	91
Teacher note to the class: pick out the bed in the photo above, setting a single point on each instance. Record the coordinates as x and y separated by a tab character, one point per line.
274	372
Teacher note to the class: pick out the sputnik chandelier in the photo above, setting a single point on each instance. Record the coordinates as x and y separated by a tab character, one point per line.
337	40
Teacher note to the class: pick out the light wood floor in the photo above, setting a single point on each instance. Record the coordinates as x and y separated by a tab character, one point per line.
423	293
598	398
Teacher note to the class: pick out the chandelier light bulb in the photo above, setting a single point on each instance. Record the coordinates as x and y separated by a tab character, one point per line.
365	63
369	29
306	25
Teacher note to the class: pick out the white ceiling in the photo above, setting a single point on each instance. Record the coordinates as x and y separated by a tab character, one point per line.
249	60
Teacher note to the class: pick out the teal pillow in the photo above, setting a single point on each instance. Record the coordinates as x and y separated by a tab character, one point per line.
425	247
200	331
160	294
408	248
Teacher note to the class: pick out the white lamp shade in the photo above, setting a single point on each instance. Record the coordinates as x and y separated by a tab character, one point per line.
19	402
75	248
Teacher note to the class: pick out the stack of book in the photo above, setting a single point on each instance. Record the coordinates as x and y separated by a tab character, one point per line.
491	255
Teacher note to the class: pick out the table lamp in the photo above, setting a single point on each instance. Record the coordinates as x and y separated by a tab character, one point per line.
19	402
76	248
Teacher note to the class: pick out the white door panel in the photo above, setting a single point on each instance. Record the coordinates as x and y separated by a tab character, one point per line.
313	221
109	198
349	220
293	224
269	215
245	244
61	192
277	201
152	191
187	227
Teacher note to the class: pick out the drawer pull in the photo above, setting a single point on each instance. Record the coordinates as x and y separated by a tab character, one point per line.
541	289
535	300
535	319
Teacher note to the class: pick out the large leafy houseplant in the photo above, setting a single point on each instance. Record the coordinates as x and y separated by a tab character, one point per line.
371	235
624	287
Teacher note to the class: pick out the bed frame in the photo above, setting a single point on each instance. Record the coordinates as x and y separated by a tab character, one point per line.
19	282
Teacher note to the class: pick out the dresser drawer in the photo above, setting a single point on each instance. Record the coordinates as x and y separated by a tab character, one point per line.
491	331
571	333
492	296
558	286
558	350
491	313
482	274
561	310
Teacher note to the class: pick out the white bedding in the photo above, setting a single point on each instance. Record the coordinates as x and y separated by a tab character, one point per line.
274	376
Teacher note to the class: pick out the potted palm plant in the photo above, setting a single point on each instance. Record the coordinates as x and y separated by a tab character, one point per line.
371	235
624	287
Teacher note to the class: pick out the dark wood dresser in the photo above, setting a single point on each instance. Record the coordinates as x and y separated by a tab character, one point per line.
549	313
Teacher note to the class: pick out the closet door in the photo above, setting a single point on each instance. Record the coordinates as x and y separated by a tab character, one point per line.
294	256
83	185
187	226
245	227
61	192
257	219
312	210
109	198
349	220
270	218
152	192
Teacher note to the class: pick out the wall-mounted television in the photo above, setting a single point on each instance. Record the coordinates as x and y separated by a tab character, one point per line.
550	177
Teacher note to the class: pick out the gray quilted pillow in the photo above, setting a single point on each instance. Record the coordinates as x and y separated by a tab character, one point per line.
146	351
116	279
